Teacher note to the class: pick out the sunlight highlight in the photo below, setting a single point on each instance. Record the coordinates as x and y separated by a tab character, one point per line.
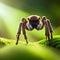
11	17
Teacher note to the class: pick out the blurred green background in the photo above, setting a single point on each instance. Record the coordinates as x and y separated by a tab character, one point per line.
11	12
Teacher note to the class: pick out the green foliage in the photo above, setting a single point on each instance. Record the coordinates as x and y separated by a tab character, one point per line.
55	42
32	51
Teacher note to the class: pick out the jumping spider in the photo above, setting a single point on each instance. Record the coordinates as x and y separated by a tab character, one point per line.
34	22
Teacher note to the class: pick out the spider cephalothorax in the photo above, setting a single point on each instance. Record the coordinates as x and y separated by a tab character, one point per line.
34	22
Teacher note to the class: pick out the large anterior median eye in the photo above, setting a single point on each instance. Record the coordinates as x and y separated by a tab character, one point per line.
34	19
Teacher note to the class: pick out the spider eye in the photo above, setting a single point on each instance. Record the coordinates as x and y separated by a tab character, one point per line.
28	18
39	18
34	19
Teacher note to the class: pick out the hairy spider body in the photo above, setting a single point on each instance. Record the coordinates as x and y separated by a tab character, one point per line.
35	23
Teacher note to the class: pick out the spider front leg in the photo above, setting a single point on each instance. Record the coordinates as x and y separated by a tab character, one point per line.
47	33
18	33
24	32
50	29
22	27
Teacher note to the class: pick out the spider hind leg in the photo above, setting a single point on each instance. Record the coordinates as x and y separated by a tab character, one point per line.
48	31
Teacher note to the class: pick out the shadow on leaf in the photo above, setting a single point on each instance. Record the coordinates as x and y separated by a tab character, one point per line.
2	44
55	42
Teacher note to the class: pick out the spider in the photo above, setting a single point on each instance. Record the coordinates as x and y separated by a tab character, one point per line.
35	22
